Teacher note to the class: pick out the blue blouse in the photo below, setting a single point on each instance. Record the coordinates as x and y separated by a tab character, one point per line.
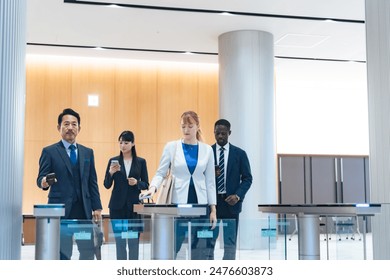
191	156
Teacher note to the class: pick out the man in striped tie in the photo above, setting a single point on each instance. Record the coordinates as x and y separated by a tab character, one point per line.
233	179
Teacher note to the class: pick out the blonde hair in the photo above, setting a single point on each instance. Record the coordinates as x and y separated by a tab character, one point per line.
192	117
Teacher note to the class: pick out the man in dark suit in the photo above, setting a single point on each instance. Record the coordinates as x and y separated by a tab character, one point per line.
233	179
75	186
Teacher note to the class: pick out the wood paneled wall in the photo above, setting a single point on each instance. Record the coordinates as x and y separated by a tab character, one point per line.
145	97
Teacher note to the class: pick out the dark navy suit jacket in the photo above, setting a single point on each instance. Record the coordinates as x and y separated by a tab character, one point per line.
238	175
123	194
55	159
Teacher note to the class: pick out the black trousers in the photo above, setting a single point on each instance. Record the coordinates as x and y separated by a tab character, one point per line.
77	228
126	226
230	228
200	233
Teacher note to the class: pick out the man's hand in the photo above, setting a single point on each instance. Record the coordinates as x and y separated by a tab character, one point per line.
47	182
232	199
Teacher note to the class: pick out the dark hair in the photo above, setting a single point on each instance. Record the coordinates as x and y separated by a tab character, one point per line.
223	122
128	136
68	111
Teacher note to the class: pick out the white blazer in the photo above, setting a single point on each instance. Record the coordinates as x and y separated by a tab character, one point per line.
203	176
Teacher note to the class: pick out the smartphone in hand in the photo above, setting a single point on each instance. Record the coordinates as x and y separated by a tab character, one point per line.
51	178
144	196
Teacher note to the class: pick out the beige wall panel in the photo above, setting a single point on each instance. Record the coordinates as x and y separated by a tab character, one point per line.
169	108
35	84
125	99
208	102
147	105
149	153
94	78
57	95
135	101
177	90
48	92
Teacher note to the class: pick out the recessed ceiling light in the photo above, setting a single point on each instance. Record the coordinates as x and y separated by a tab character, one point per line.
114	6
226	14
93	100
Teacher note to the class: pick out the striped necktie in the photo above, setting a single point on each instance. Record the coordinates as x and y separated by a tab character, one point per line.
221	178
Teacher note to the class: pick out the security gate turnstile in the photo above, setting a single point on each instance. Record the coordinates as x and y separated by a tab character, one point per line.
47	231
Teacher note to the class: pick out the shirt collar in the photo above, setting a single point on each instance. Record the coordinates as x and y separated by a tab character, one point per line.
226	147
67	144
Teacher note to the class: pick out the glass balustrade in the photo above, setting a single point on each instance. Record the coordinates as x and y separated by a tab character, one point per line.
273	237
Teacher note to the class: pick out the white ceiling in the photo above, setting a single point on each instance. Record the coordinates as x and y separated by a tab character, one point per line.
298	26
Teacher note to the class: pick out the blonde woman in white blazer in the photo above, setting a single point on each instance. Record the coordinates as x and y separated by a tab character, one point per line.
203	176
194	172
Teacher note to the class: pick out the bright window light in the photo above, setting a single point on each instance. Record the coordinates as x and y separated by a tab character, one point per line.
321	108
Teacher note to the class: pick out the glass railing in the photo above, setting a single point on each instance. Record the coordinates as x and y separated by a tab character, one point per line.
273	237
340	238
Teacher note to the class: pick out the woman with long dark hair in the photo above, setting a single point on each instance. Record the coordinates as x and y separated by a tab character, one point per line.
129	174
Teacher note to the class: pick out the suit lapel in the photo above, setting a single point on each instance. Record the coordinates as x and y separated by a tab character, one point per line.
123	168
231	161
64	156
81	158
215	153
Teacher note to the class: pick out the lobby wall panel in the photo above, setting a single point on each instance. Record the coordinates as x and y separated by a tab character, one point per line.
88	79
51	87
292	179
135	102
149	152
323	180
147	106
35	83
147	98
173	98
353	180
125	100
208	102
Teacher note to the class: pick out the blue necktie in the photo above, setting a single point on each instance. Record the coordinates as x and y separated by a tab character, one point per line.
221	178
73	156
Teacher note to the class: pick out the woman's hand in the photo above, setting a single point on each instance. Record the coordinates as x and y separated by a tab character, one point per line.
213	216
97	215
149	193
114	168
132	181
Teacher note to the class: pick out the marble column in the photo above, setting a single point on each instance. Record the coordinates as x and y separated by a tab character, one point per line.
378	73
246	99
12	113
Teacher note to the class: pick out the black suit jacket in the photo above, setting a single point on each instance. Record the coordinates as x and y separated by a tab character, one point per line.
238	175
123	194
54	158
